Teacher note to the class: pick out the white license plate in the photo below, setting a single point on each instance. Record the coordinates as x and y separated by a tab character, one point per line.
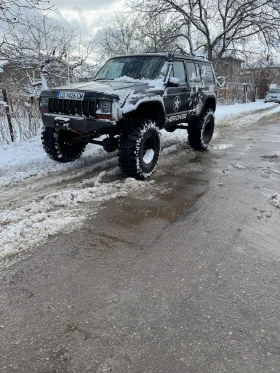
64	95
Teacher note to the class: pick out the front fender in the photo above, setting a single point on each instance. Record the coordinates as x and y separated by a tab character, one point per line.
134	101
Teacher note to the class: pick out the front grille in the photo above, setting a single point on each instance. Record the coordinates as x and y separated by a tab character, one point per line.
72	107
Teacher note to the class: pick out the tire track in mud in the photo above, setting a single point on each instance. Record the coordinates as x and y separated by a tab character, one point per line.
33	188
37	187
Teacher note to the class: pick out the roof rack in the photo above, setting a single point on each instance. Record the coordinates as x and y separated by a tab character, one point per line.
180	51
200	56
170	55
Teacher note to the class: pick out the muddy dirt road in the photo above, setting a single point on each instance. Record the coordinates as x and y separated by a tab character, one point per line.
181	276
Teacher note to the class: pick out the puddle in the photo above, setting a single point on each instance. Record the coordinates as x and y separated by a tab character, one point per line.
173	201
179	183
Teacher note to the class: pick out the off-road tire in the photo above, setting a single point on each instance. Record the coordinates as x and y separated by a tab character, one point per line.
139	150
201	130
60	145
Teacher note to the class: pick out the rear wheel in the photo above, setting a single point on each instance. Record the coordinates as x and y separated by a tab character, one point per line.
201	130
139	150
60	145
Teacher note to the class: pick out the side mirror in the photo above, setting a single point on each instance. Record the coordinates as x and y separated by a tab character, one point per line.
173	82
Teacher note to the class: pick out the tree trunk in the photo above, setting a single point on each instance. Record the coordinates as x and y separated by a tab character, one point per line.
8	113
210	53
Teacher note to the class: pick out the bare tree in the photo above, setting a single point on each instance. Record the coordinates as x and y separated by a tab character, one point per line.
51	48
11	11
38	52
219	25
139	33
159	33
120	38
260	73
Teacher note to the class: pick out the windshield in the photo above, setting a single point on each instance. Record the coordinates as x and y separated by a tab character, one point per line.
136	67
274	90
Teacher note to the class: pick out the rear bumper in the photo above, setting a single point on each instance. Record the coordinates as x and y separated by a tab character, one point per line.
79	124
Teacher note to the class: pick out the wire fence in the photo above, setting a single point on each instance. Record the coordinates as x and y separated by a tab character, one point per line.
19	120
236	95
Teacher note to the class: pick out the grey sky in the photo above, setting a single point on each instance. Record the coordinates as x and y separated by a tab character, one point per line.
88	15
84	5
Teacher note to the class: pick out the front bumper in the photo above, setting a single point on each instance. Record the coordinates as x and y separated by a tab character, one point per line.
276	100
78	124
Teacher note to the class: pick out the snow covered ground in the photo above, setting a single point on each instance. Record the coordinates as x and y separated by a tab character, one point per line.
40	197
237	109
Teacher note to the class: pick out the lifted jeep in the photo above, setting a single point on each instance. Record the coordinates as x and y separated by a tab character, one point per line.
129	101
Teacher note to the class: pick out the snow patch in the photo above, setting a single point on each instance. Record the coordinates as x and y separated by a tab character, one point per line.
3	104
62	119
228	110
28	225
238	166
275	200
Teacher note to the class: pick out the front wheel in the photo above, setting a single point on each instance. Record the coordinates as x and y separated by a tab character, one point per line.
60	145
139	150
201	130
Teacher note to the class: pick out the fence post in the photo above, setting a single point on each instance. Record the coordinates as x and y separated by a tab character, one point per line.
9	118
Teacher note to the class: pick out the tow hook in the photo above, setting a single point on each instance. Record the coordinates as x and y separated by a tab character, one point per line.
61	121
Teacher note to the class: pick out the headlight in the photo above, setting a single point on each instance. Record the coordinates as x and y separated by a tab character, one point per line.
44	101
105	107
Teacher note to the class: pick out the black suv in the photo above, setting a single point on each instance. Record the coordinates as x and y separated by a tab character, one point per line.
129	101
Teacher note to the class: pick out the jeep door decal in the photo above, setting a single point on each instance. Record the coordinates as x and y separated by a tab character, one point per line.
177	103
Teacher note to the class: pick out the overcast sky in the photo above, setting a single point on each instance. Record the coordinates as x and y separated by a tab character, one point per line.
90	14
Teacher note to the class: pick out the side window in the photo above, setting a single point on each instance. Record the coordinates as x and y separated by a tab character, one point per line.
207	74
198	72
179	71
193	74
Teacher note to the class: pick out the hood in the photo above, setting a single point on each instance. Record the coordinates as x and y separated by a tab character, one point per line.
105	86
120	87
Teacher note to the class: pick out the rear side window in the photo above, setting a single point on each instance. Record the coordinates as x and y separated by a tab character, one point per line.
179	71
193	74
207	74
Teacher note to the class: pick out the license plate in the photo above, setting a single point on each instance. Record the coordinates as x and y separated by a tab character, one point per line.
64	95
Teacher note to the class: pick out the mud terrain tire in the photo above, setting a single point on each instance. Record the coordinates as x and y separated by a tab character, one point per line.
60	145
139	150
201	130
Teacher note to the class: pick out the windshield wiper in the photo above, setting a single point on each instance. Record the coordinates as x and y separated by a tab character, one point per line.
102	79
